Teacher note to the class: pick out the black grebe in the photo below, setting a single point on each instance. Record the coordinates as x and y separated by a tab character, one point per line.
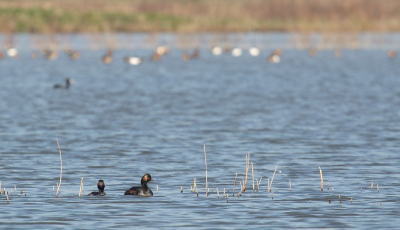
141	191
68	82
100	186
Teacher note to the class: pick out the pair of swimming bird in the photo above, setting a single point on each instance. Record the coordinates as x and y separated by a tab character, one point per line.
144	190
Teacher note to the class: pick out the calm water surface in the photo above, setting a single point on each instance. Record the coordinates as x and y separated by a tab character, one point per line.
117	122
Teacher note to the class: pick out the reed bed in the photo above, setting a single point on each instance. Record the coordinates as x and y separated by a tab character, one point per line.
194	16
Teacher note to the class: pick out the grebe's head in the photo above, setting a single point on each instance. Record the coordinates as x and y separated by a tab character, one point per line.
146	178
101	185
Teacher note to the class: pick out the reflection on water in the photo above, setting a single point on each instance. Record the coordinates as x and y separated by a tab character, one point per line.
118	121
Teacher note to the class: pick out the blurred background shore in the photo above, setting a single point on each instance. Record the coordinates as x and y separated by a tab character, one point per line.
190	16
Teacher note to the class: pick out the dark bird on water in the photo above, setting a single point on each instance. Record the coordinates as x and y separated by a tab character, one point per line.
100	186
68	82
144	190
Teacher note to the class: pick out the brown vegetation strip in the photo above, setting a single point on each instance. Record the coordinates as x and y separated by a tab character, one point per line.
198	15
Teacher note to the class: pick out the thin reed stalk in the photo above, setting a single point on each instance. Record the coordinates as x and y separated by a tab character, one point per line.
217	193
224	192
234	183
372	185
59	185
15	188
181	189
252	174
81	188
7	197
157	188
273	176
377	187
322	180
205	162
247	171
258	184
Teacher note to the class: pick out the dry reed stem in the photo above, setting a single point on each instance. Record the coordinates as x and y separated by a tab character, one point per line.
59	185
327	185
322	180
252	174
205	162
234	183
372	185
377	187
351	199
7	197
340	201
181	189
273	176
247	171
224	192
15	188
258	184
157	188
81	188
217	193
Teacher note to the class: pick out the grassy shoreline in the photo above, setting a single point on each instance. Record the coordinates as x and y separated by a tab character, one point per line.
49	16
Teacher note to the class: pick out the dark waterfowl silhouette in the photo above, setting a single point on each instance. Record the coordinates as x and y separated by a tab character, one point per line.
68	82
144	190
100	186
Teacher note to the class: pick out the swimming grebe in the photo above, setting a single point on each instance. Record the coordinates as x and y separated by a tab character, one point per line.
68	82
100	186
141	191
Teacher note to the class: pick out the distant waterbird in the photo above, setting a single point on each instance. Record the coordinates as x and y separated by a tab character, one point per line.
50	54
254	51
274	56
216	50
133	60
391	53
107	58
236	52
12	52
68	82
100	186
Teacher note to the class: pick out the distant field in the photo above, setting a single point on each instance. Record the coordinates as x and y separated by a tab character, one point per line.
198	15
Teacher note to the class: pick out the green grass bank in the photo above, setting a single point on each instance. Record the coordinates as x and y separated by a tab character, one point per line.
50	16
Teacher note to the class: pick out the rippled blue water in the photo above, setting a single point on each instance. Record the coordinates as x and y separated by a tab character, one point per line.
117	122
